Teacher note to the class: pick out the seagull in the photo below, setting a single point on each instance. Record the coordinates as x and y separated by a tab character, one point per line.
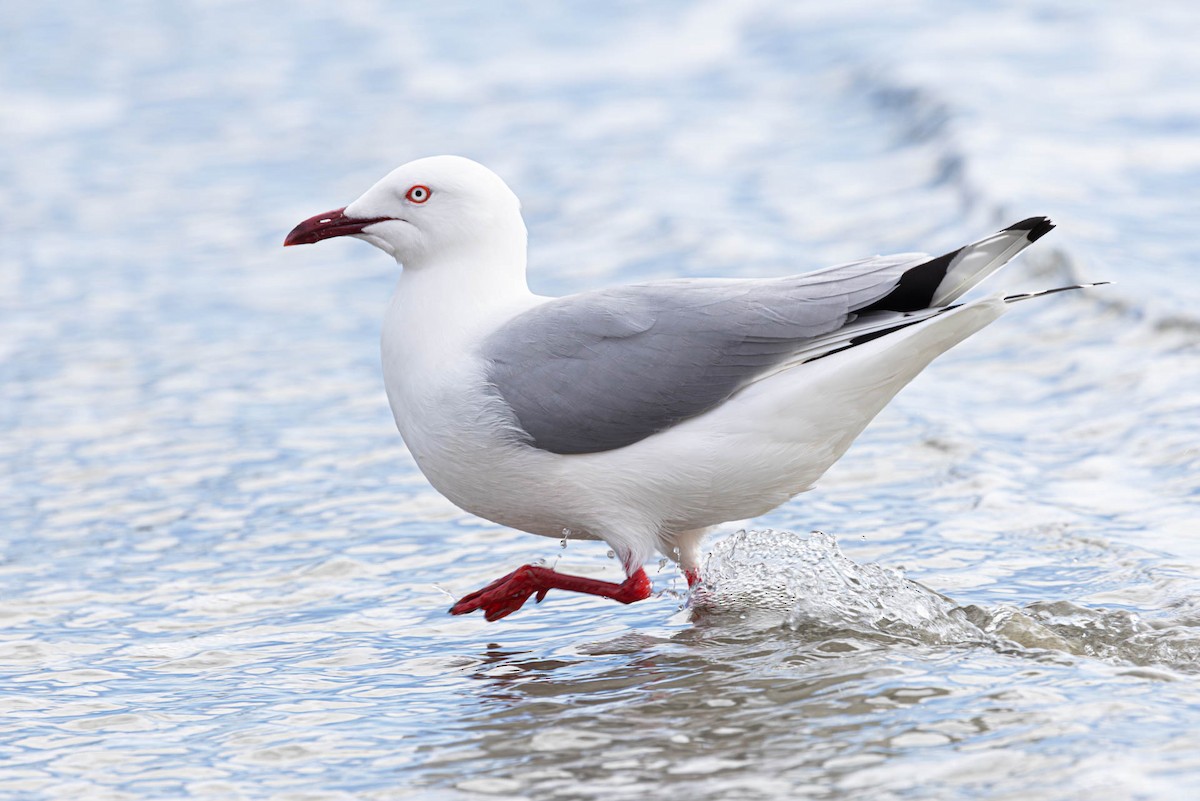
640	415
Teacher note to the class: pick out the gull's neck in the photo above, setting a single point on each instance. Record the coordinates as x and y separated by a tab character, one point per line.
467	282
446	305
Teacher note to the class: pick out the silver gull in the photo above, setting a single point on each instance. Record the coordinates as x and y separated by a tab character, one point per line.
641	415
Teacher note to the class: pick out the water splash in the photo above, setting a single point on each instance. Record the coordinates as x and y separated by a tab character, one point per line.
781	577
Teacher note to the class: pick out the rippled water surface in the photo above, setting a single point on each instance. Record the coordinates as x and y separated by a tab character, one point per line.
222	576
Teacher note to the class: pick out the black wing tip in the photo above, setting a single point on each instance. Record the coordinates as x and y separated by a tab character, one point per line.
1036	226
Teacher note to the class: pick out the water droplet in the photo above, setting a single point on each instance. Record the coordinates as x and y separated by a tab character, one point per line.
612	554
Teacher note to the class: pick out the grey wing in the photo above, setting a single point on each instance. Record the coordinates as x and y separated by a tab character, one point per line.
602	370
605	369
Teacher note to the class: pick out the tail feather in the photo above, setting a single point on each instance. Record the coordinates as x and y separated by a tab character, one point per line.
980	259
927	288
1028	295
880	324
940	281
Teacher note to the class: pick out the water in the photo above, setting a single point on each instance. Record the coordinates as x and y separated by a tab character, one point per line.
223	577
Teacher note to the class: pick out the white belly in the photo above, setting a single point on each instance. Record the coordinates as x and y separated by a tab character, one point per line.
766	444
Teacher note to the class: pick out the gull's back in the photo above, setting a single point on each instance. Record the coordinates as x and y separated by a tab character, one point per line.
602	370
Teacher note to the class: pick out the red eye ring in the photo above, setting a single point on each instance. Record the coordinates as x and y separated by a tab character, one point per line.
418	193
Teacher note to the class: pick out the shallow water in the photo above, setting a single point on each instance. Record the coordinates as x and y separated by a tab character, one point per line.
222	576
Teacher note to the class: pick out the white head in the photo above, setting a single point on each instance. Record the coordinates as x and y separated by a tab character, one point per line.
428	212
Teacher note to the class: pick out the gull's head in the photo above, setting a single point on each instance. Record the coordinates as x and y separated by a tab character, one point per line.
442	207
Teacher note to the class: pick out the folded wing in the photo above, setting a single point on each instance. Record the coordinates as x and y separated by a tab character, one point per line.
605	369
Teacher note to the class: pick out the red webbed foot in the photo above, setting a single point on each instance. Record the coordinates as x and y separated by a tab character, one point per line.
508	594
692	574
503	596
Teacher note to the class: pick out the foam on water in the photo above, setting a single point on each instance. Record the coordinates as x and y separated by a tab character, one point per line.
768	578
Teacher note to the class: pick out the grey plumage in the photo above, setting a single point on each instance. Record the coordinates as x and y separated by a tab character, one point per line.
604	369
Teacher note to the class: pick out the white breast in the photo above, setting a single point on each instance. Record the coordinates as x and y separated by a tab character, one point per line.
461	435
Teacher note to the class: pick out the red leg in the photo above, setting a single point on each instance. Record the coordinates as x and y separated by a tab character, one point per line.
506	595
692	574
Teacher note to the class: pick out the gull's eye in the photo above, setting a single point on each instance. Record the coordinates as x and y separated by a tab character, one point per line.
418	193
